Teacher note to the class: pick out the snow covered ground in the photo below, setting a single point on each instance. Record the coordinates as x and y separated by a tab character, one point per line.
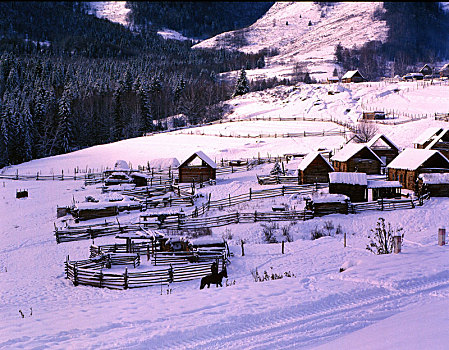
396	301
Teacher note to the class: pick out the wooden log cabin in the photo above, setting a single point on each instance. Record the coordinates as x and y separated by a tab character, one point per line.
378	189
328	204
314	168
411	162
376	115
384	148
441	143
426	137
353	185
357	157
352	76
444	71
426	70
437	185
197	168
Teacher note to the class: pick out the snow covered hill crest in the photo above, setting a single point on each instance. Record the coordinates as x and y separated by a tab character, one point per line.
307	32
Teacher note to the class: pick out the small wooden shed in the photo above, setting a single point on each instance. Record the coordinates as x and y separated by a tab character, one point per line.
314	168
376	115
426	137
378	189
384	148
435	184
412	162
197	168
357	157
441	143
328	204
352	76
353	185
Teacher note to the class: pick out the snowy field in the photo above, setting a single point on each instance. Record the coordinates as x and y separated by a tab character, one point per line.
398	301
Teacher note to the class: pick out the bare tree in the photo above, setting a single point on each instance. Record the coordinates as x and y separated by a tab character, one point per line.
364	132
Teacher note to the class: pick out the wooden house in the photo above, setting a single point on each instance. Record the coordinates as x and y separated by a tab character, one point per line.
441	143
331	80
378	189
314	168
197	168
328	204
357	157
437	185
384	148
426	70
444	71
412	162
353	185
352	76
426	137
377	115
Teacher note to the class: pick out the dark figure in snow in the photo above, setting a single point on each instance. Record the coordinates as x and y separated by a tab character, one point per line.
214	268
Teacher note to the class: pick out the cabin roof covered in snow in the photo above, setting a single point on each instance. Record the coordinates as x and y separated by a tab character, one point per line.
310	158
434	178
383	184
426	135
348	178
437	139
413	158
330	198
377	137
350	150
203	157
350	74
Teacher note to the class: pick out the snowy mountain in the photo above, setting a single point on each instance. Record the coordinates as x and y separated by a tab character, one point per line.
308	32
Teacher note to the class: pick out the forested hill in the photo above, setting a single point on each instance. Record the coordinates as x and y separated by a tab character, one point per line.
69	80
200	19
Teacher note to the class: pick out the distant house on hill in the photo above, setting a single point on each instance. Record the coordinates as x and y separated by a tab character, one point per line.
197	168
412	162
357	157
352	76
314	168
384	148
331	80
426	137
426	70
373	115
444	71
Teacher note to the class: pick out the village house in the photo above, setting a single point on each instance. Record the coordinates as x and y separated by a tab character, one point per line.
314	168
426	70
437	185
328	204
352	76
412	162
428	135
444	71
353	185
441	143
384	148
331	80
197	168
357	157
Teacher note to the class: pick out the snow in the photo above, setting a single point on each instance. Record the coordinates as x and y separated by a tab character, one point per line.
310	158
427	134
402	296
350	150
434	178
330	198
121	165
349	74
413	158
383	184
378	139
348	178
115	11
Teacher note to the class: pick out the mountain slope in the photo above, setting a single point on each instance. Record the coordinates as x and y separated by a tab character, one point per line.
285	27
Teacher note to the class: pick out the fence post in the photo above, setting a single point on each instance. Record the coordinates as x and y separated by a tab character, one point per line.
243	249
283	247
397	244
344	240
75	275
250	194
125	277
229	199
441	236
67	267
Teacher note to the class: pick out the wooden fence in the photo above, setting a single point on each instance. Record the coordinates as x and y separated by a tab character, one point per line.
388	204
277	135
88	273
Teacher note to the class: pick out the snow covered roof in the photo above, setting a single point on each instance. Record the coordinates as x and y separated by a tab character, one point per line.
348	178
350	74
427	135
310	158
437	139
383	184
164	163
350	150
377	137
413	158
435	178
330	198
446	66
203	157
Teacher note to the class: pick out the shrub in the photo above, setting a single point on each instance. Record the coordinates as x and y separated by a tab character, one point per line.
382	238
269	231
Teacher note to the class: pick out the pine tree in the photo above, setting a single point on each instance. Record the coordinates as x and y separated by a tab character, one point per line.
242	85
65	132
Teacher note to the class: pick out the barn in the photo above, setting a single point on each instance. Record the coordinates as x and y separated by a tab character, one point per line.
427	136
383	147
357	157
352	76
197	168
441	143
435	184
353	185
411	162
314	168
